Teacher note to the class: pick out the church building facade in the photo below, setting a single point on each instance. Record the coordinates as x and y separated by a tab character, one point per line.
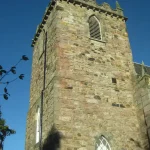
84	81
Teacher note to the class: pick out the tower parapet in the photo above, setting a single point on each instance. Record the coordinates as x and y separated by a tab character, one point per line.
103	8
119	9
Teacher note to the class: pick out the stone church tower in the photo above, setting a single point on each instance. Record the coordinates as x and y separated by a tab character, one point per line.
84	80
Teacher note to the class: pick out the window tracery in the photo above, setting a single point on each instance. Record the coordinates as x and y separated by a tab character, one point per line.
95	28
102	144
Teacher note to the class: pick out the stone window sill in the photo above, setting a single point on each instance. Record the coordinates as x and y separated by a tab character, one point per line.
97	40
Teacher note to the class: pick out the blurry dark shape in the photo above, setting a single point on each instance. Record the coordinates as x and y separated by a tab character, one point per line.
25	58
52	142
21	76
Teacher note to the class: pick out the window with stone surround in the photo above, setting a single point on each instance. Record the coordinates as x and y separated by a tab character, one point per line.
95	28
102	144
38	125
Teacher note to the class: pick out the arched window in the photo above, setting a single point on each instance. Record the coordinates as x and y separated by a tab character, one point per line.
102	144
38	125
95	28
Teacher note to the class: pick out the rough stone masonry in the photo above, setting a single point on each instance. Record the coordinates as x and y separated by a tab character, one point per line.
87	88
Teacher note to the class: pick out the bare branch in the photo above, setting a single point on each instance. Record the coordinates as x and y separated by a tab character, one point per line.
9	70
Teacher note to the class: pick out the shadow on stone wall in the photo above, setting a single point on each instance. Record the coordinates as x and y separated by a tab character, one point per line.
53	140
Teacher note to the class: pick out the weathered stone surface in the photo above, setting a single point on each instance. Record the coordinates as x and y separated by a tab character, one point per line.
78	92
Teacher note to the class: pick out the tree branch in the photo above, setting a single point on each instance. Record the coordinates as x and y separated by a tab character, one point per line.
10	70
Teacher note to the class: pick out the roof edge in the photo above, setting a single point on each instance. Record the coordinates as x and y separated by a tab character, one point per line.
140	64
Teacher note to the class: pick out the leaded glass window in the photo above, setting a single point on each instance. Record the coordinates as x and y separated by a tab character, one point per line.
102	144
94	28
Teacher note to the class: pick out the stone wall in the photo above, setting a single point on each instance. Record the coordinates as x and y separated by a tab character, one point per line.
79	96
37	82
87	97
142	101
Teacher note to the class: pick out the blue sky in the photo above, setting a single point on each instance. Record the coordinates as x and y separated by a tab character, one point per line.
19	19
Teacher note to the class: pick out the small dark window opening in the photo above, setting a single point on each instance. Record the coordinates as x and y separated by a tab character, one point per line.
114	80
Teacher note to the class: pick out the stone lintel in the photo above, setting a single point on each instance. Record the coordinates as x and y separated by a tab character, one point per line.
94	7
